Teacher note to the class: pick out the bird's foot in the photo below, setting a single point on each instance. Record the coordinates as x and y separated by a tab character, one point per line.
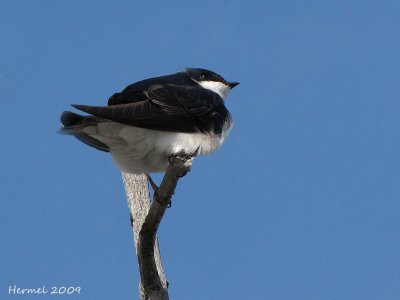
183	157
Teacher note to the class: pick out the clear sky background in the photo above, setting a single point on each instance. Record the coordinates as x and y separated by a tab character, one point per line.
301	202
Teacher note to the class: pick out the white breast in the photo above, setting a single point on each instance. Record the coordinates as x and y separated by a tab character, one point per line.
139	150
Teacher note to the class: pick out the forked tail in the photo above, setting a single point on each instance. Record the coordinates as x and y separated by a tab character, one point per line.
74	124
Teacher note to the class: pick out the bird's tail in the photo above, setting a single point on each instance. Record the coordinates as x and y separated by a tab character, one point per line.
74	124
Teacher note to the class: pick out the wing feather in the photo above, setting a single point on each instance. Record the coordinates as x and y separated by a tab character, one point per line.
167	107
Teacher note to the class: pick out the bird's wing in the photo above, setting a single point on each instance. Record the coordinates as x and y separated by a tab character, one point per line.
137	91
166	107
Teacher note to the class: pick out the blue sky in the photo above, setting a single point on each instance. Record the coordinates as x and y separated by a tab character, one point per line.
301	202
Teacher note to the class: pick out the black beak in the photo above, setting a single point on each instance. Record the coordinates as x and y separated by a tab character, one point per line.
232	84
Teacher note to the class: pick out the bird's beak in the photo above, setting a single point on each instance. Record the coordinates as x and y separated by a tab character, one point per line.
232	84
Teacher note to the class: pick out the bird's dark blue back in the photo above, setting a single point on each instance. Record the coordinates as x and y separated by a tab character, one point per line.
136	92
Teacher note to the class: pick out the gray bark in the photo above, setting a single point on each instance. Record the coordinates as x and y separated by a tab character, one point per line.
138	196
146	217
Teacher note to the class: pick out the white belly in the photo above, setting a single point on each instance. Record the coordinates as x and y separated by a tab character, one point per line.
139	150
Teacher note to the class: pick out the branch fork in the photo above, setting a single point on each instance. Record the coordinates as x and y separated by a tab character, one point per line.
153	284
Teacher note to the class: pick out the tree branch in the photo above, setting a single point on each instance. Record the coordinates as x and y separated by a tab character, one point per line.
153	284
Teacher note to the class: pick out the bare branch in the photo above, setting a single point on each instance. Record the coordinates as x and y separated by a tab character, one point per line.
138	197
153	284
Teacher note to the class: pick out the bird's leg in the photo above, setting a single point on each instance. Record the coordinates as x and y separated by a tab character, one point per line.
183	155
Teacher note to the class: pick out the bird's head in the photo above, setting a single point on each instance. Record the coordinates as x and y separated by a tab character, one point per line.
210	80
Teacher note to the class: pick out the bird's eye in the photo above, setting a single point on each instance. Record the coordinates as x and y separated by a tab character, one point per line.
202	76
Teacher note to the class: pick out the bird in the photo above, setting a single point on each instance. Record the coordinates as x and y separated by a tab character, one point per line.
153	119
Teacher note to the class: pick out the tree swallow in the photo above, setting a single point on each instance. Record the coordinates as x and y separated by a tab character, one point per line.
152	119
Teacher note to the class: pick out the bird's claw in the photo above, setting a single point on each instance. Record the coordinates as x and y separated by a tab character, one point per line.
182	155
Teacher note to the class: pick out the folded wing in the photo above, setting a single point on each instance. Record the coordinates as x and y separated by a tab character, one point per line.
167	107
